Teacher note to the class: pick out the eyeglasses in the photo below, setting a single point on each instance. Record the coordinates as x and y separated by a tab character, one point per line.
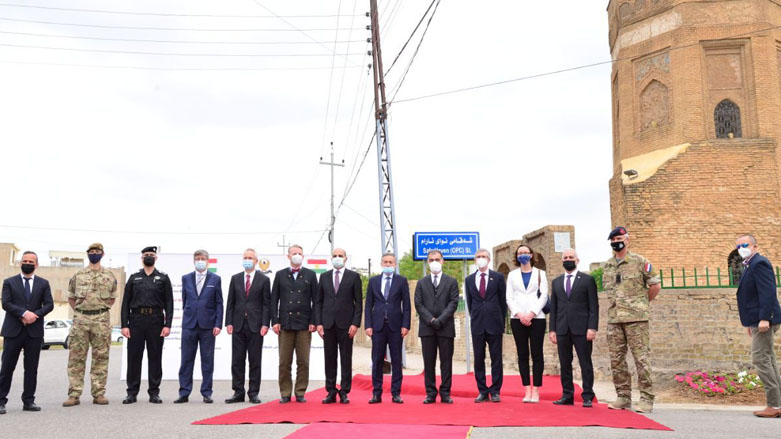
744	245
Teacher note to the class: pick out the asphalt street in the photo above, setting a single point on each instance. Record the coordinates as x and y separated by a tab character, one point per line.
144	420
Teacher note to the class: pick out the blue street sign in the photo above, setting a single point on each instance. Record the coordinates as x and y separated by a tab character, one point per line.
453	245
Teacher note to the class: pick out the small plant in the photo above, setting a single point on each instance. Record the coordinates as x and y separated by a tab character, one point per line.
714	383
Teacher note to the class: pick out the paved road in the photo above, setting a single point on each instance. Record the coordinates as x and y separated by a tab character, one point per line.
144	420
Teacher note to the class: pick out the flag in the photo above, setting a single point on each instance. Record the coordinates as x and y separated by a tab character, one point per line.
317	265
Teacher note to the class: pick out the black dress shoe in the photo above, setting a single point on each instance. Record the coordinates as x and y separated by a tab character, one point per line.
446	399
237	397
130	399
482	398
300	399
2	409
155	399
329	399
284	400
181	400
430	400
564	401
207	400
254	399
343	398
397	399
376	399
588	403
495	398
31	407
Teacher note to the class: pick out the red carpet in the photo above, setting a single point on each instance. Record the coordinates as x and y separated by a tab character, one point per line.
508	413
376	431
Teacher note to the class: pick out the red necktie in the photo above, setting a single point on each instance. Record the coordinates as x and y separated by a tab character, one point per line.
246	286
482	285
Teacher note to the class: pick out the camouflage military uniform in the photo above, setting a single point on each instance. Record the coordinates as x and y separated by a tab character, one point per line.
93	292
626	283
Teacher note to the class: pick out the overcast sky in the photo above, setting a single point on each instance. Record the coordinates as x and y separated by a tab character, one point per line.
222	152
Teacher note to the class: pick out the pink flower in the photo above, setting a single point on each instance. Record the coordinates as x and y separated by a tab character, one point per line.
679	378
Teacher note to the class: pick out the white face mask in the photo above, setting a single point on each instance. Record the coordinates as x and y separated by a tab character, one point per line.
337	262
200	265
436	267
297	259
481	262
744	252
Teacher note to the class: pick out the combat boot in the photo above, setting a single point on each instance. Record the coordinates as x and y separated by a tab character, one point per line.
100	400
71	401
620	404
644	406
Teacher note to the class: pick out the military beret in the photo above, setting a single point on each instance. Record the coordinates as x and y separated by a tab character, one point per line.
151	248
95	246
616	232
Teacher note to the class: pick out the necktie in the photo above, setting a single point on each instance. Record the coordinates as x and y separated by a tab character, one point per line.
27	291
568	287
199	283
386	290
246	286
482	285
436	282
336	282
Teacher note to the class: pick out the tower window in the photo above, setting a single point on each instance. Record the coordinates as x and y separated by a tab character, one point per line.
727	119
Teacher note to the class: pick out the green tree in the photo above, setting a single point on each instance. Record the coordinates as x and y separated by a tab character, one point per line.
413	270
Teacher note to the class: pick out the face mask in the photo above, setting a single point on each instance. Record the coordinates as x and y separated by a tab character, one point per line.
744	252
94	258
569	265
149	261
248	264
436	267
297	259
388	270
200	265
618	246
28	268
524	259
337	262
481	262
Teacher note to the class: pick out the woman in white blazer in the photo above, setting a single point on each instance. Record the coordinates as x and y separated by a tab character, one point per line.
527	317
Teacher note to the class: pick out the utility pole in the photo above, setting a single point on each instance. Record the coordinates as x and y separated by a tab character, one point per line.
387	211
332	164
284	247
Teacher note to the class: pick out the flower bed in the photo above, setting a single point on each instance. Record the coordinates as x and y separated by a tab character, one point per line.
718	384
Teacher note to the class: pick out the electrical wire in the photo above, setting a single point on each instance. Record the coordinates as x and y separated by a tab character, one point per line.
410	37
141	40
166	69
330	82
133	52
415	53
139	232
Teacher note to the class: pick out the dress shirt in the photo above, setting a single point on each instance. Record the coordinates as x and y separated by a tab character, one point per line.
32	280
477	278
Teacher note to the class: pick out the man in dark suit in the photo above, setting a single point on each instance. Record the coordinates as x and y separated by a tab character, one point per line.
246	319
26	299
485	297
387	323
574	319
436	299
760	313
338	309
201	323
293	319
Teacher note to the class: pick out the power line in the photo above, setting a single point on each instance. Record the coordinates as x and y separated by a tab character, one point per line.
415	53
133	52
330	81
138	232
410	37
344	73
102	26
163	69
141	40
159	14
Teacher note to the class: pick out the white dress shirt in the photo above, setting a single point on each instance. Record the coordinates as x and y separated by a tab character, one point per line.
244	279
477	278
340	276
439	278
522	299
32	280
574	274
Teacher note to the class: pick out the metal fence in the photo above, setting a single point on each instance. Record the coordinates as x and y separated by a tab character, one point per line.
696	277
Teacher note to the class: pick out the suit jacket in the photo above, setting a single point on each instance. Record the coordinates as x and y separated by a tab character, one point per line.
577	312
15	305
293	300
256	306
758	293
342	308
397	307
204	311
439	303
487	316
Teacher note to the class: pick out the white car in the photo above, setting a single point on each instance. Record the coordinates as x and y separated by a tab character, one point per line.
116	334
55	332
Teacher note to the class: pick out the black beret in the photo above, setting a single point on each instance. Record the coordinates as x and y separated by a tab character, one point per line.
617	231
151	248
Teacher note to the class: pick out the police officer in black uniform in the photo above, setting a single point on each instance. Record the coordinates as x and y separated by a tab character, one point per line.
147	313
292	316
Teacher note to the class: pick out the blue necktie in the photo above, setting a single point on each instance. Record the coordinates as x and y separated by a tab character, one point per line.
386	290
27	291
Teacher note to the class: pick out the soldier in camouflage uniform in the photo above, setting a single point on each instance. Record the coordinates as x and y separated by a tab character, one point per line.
91	293
631	284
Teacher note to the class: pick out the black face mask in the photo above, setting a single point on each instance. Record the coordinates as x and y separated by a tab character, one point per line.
94	258
569	265
149	261
28	268
618	246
